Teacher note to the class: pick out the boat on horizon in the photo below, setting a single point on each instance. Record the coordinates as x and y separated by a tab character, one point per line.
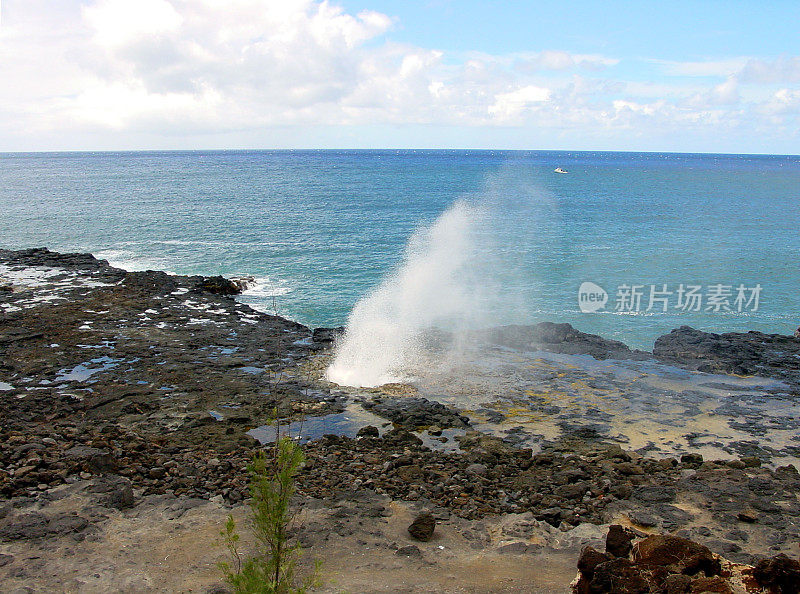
559	170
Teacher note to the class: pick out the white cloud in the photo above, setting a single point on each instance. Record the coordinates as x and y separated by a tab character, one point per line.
785	69
783	102
511	105
708	68
118	23
561	60
191	67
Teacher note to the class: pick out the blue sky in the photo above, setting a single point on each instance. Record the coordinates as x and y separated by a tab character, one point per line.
194	74
668	30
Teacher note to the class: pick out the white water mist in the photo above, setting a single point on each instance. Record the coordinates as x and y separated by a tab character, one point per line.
438	283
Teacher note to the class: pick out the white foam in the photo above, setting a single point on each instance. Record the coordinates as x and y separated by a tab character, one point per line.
131	262
263	286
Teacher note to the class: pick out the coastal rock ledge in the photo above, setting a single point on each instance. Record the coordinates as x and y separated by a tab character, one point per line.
751	353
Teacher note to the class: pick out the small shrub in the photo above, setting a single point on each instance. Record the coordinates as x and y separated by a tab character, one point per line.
272	569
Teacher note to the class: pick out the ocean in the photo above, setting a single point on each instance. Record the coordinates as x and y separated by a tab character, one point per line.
710	241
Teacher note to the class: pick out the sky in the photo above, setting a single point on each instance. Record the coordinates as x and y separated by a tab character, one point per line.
271	74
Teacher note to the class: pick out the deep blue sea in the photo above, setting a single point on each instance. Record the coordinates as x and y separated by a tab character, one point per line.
320	229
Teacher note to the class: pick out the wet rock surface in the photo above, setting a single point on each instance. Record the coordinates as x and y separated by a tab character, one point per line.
750	353
417	413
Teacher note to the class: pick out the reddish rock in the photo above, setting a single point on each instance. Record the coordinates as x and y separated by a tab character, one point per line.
618	541
780	573
680	554
589	559
618	576
710	584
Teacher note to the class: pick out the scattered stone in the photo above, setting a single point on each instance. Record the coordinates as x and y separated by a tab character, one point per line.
748	517
368	431
409	551
478	469
692	460
714	584
96	460
751	461
643	518
422	527
517	548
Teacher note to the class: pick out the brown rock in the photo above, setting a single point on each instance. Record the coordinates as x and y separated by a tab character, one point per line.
779	573
677	583
748	517
422	527
618	576
589	559
410	473
710	584
682	554
618	541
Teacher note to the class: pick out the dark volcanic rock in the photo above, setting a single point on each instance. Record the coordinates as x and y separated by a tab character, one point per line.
219	285
422	527
751	353
417	412
114	491
327	335
560	338
409	551
44	257
24	526
95	459
368	431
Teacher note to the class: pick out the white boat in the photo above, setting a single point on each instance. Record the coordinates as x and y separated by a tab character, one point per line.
559	170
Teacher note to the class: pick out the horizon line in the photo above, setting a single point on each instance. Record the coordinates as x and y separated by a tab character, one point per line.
309	150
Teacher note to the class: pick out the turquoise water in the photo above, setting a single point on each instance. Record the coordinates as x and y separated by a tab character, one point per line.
320	228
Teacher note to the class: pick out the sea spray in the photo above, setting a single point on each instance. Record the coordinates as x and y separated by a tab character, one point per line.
440	283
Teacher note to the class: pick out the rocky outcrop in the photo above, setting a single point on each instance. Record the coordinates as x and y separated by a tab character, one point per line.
751	353
560	338
219	285
670	564
780	573
417	412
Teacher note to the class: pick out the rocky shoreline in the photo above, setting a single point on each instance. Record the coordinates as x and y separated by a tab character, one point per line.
126	395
